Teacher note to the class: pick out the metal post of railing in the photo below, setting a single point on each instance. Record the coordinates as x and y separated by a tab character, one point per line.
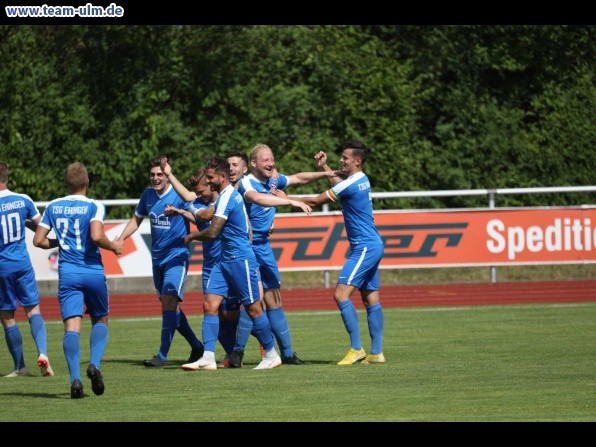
491	205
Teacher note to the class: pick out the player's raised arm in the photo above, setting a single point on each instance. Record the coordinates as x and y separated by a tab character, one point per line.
321	159
181	190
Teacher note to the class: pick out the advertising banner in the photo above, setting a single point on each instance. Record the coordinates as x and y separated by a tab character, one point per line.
413	239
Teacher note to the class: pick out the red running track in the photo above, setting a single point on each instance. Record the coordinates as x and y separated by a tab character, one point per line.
138	305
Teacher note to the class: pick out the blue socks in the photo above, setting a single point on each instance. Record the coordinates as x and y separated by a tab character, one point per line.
168	329
245	326
187	332
72	352
376	320
210	331
14	340
171	322
350	318
227	334
97	343
281	330
38	332
262	330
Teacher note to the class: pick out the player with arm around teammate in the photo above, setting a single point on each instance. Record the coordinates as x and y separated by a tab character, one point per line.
361	270
169	257
236	271
203	199
258	190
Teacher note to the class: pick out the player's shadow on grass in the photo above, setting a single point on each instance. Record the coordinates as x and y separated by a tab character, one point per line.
252	364
177	363
171	364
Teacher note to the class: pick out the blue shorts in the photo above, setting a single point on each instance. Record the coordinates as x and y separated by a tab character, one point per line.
18	287
237	280
76	290
169	276
206	273
229	303
361	270
267	266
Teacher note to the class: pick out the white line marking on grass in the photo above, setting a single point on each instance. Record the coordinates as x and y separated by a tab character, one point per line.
501	306
128	320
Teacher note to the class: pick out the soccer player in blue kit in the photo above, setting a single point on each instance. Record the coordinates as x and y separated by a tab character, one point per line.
236	272
78	223
170	259
361	270
264	181
17	278
203	200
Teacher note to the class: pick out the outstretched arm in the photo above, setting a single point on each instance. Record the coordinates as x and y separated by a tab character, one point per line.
132	226
171	210
101	240
209	233
303	178
273	200
202	215
312	201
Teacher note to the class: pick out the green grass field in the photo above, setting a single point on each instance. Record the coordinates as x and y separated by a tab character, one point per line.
457	364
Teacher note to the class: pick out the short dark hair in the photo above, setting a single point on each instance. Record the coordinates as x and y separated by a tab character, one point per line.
219	165
76	177
358	148
155	162
238	154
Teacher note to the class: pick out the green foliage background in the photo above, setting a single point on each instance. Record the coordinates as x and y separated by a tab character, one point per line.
442	107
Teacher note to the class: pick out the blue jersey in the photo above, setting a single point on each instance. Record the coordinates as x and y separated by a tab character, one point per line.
235	241
261	217
167	232
212	248
70	217
355	197
14	210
